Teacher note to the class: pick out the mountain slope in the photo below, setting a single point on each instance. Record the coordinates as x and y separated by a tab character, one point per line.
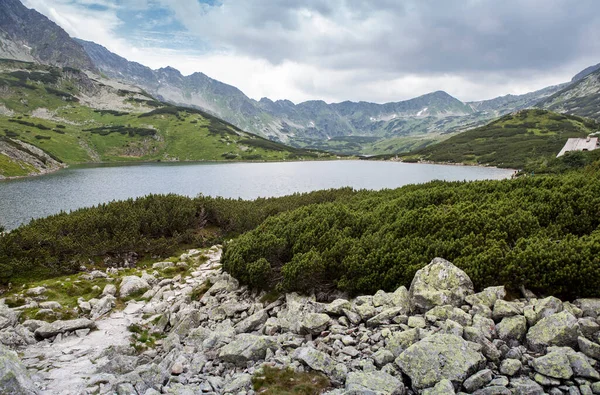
580	98
514	141
50	117
25	34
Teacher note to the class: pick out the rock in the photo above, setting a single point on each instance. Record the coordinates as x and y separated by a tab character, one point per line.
109	289
8	317
548	306
525	386
238	384
321	362
590	307
337	306
487	297
559	329
132	285
14	377
440	357
545	380
102	306
253	322
444	387
57	327
510	367
314	323
373	383
493	390
246	347
488	348
503	309
437	284
385	316
177	369
581	366
512	328
478	380
589	348
37	291
487	326
32	325
555	365
382	357
448	312
589	327
50	305
397	342
416	322
452	328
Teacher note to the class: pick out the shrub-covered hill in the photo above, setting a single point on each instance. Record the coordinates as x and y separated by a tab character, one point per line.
526	139
541	232
52	115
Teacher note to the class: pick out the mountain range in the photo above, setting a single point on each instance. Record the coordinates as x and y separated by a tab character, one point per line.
346	127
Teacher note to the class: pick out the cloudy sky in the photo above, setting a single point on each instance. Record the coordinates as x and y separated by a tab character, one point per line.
336	50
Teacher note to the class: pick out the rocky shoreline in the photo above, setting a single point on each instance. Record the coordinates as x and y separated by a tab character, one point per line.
203	333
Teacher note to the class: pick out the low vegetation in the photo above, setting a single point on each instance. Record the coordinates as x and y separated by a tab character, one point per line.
273	381
527	139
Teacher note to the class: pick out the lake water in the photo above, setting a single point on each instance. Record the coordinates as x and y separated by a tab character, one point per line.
83	186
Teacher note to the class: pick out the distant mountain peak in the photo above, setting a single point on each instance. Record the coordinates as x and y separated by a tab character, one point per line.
585	72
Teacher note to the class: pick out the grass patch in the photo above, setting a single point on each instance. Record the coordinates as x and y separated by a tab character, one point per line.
273	381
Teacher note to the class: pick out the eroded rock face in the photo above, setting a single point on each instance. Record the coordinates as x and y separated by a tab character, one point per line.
437	284
439	357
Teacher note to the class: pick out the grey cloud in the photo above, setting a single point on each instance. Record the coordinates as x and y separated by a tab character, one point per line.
419	36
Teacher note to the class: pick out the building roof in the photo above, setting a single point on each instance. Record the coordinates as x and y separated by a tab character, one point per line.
575	144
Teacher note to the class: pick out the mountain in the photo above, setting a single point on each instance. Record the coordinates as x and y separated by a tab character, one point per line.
516	140
585	72
25	34
579	98
51	117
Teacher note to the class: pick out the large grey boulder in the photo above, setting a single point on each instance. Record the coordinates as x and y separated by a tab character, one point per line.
561	329
246	347
437	284
57	327
439	357
590	307
314	323
319	361
525	386
444	387
376	382
14	377
589	348
398	342
132	285
478	380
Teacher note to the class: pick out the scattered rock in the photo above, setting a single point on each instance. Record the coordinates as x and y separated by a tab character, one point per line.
559	329
373	382
14	377
48	330
132	285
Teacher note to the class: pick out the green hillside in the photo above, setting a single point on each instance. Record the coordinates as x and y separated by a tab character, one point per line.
528	138
73	118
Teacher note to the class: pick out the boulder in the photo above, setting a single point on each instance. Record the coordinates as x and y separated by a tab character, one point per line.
582	367
488	348
102	306
525	386
37	291
386	316
478	380
109	289
376	382
555	364
443	313
589	348
253	322
246	347
14	377
8	317
547	306
132	285
337	306
437	284
314	323
398	342
559	329
319	361
444	387
439	357
512	328
510	367
487	297
503	309
48	330
590	307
